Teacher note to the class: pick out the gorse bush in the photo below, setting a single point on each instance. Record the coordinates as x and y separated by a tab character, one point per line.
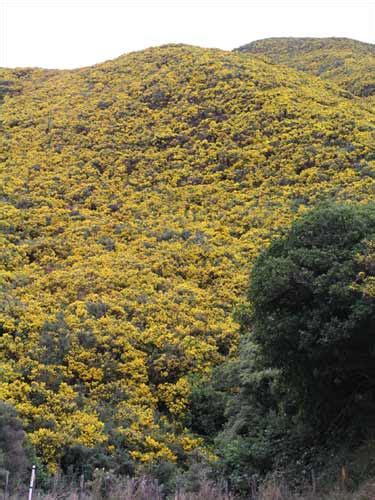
340	60
135	197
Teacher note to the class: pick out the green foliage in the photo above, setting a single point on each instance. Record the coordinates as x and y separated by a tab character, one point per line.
13	452
365	281
77	460
206	414
309	321
303	385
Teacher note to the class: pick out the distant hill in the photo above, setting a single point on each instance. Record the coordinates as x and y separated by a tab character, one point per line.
349	63
135	195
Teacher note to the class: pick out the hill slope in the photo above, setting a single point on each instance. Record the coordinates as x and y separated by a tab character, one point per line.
349	63
135	195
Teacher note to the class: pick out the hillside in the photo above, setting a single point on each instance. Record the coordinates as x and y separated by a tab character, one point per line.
348	63
135	194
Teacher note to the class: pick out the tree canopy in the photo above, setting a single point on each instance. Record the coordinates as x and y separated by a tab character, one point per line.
311	320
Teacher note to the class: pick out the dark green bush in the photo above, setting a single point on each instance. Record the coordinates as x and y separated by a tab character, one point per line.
304	383
309	321
13	454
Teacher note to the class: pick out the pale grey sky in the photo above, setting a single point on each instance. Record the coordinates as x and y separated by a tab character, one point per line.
74	33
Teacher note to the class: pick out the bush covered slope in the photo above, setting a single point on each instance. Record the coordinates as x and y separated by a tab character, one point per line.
135	195
349	63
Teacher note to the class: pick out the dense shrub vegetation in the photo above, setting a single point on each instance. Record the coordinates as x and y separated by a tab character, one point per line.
310	321
13	455
305	370
348	63
135	197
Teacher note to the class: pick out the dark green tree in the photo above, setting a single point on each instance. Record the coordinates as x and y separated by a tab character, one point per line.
306	367
308	319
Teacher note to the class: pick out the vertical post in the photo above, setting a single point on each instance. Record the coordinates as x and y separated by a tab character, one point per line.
81	486
313	481
32	480
344	477
253	487
6	484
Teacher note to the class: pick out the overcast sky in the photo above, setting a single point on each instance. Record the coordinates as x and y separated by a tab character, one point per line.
74	33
